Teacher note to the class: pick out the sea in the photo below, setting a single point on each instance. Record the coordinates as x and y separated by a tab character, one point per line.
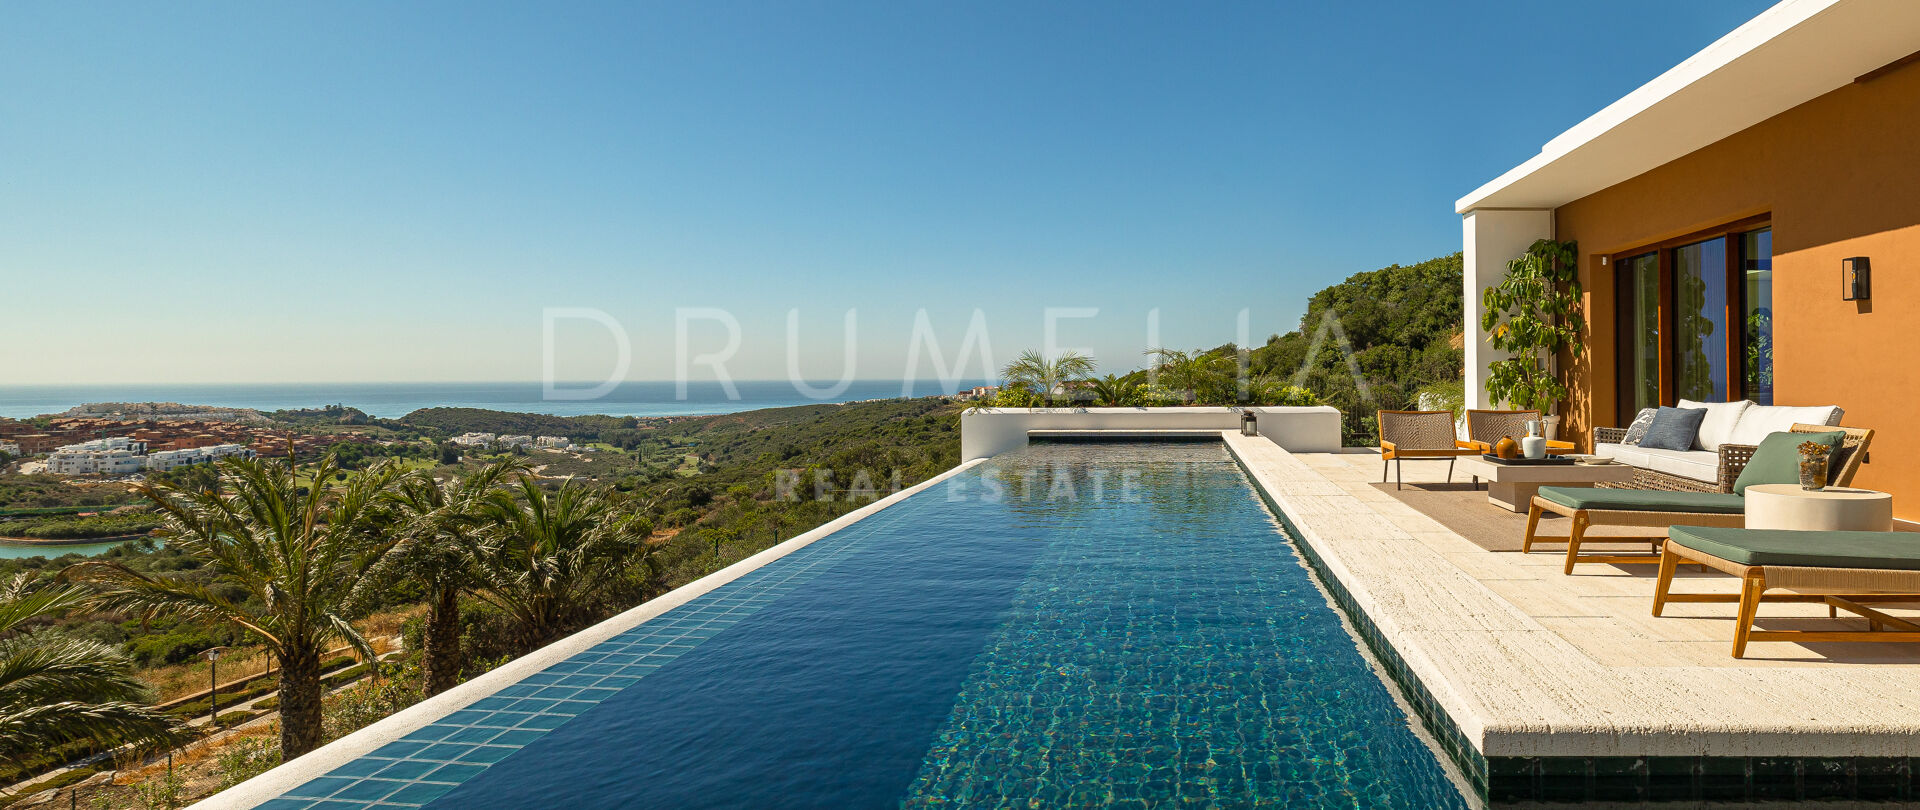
392	400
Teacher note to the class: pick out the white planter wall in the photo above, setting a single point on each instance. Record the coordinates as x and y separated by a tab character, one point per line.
992	431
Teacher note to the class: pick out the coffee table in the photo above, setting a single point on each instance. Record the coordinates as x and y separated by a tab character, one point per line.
1834	509
1511	486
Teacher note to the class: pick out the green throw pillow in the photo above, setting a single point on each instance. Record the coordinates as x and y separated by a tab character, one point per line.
1777	459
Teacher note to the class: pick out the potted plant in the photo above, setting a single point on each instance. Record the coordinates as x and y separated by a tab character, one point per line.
1533	315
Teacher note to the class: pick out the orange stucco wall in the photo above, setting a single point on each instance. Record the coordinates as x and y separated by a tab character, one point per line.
1840	176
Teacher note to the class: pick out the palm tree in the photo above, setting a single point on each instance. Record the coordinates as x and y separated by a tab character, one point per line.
438	524
294	553
56	689
1191	373
1115	391
1035	372
548	559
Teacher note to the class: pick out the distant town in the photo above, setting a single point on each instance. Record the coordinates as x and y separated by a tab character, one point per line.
121	439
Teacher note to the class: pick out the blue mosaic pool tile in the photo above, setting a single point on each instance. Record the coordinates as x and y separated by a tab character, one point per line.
433	759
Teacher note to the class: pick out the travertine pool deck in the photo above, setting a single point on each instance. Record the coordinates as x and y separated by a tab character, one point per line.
1528	662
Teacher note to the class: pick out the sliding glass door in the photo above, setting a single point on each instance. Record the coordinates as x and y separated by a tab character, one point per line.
1640	325
1695	318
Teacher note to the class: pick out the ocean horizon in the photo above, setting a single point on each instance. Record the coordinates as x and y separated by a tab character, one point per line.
391	400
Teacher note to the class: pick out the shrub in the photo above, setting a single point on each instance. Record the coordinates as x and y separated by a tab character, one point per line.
247	759
235	717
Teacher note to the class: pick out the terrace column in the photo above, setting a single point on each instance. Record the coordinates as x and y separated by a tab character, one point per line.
1492	237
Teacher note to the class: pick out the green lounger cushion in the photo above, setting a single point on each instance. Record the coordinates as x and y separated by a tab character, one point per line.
1777	458
1890	550
1645	500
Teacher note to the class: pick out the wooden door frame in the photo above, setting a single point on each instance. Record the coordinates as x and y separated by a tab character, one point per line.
1735	307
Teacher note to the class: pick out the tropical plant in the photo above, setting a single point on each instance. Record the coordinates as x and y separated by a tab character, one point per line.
1114	391
1533	314
548	558
289	561
55	688
438	525
1049	378
1204	377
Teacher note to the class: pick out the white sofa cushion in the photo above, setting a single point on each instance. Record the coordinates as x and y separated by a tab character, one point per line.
1623	453
1761	421
1721	419
1699	465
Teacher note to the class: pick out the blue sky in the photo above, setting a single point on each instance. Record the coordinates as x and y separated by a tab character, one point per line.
371	191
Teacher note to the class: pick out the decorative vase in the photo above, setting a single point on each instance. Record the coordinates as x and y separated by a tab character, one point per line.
1813	466
1506	448
1534	447
1552	421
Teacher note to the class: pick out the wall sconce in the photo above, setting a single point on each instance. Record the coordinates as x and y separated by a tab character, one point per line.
1855	279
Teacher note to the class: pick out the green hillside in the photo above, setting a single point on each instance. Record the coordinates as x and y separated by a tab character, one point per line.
1400	322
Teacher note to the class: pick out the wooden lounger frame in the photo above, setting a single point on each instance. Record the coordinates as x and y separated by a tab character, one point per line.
1583	519
1839	588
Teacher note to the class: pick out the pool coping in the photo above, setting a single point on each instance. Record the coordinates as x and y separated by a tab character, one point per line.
320	761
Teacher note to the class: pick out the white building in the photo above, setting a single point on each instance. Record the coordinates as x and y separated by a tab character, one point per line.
473	439
174	459
117	455
111	443
977	392
555	442
68	461
511	442
10	449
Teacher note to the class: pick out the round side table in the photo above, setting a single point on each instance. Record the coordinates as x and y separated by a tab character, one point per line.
1787	506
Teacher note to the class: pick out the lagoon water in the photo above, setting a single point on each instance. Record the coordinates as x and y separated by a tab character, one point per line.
392	400
21	551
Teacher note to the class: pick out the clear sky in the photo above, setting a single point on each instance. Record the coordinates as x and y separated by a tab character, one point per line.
229	192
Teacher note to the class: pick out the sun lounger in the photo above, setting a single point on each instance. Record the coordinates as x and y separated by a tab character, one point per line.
1594	506
1841	569
1600	507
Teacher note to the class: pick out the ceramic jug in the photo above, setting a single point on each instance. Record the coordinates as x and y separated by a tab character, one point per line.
1534	447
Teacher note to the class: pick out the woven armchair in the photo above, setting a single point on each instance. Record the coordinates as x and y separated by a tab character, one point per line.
1484	428
1418	435
1734	458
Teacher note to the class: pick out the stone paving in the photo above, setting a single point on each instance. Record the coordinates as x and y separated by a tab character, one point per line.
1530	662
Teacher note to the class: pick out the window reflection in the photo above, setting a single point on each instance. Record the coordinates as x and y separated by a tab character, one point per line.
1700	321
1756	264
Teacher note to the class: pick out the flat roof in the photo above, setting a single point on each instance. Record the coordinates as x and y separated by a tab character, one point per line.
1791	53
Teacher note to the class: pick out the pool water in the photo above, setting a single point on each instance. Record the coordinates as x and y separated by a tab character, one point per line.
1066	626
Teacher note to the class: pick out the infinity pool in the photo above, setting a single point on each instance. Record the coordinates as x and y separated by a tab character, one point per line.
1065	626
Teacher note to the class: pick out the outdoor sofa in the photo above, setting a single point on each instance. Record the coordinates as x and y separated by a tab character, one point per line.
1588	507
1841	569
1727	436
